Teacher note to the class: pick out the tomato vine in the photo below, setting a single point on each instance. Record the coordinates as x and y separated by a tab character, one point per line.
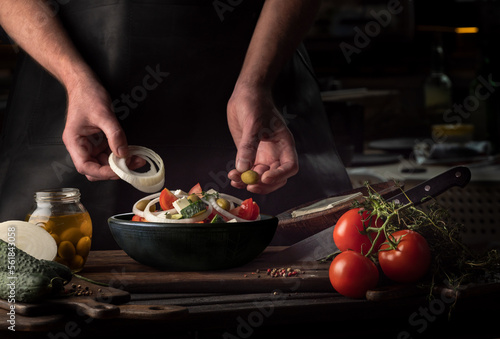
452	261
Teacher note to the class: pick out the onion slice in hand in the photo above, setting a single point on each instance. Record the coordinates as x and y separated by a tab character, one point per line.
148	182
30	238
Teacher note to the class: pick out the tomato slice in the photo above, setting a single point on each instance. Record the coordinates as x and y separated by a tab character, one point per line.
138	218
196	189
248	210
167	199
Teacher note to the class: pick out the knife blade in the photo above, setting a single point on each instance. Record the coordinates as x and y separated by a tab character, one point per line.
321	244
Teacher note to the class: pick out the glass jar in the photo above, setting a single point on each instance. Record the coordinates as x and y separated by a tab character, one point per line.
60	212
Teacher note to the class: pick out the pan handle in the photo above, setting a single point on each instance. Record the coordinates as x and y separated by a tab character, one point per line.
456	176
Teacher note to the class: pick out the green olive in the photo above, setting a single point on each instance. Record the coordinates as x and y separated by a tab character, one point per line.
223	203
193	197
250	177
141	205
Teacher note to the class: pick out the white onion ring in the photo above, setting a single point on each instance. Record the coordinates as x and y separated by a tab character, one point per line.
223	212
155	218
231	199
137	211
148	182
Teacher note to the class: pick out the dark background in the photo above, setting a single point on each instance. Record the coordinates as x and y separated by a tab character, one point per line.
397	59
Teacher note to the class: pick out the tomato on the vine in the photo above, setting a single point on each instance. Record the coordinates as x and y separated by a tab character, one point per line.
409	261
348	232
352	274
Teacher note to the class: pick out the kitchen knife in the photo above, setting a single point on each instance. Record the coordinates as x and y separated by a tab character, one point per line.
321	244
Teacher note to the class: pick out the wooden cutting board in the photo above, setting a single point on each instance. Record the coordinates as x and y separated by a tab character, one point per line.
94	301
100	302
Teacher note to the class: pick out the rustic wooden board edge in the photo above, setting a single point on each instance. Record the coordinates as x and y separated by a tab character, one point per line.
100	304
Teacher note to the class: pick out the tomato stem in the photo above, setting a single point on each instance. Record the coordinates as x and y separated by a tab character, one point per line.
383	229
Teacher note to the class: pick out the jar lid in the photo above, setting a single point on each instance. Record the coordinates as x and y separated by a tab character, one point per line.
58	195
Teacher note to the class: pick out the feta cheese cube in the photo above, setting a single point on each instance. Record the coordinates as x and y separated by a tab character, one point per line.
181	203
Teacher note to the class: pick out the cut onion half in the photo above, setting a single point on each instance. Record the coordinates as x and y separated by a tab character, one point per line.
152	217
30	238
148	182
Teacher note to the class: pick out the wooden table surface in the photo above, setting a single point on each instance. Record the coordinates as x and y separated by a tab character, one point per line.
246	302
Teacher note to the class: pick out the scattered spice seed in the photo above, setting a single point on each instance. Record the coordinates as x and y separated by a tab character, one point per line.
283	272
79	290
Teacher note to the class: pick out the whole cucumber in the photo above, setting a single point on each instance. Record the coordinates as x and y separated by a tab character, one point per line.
16	260
24	287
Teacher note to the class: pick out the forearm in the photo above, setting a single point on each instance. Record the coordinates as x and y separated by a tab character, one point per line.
280	29
36	30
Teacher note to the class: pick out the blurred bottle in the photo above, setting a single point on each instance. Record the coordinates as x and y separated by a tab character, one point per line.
489	73
437	86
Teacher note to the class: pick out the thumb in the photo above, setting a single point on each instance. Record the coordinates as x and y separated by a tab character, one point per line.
117	140
247	150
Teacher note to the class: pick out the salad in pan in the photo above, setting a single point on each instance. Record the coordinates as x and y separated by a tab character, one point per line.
178	206
195	206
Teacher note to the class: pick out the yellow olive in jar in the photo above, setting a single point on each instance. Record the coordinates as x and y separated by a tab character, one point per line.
66	250
223	203
72	234
83	246
77	262
56	238
49	226
250	177
86	227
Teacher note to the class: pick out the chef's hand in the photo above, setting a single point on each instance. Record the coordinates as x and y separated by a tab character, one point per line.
92	130
264	142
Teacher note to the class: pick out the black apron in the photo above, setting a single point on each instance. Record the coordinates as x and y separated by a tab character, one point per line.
170	67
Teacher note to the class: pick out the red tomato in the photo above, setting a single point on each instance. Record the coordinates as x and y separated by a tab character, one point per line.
348	235
167	199
138	218
411	259
352	274
196	189
248	210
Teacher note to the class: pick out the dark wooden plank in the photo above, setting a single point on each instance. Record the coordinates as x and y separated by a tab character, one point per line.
120	271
